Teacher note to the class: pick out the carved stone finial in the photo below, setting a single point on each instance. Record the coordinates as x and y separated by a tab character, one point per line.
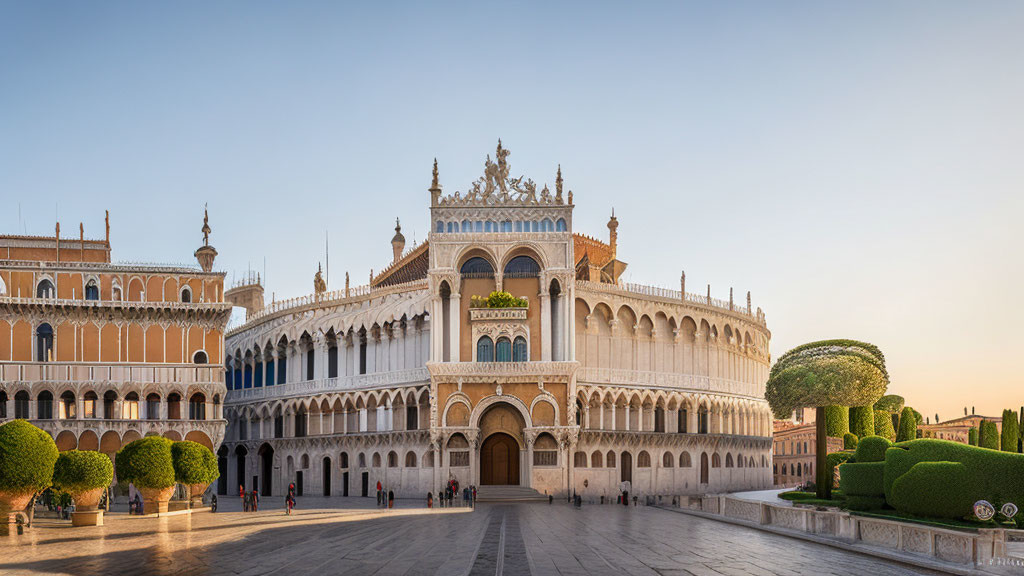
206	226
434	181
346	284
435	187
682	284
106	220
570	197
319	286
613	233
558	185
397	242
206	253
748	302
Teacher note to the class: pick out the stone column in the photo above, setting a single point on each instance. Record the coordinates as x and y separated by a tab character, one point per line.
545	326
455	318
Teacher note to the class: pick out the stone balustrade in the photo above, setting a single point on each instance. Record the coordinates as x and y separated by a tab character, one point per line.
414	376
668	380
100	373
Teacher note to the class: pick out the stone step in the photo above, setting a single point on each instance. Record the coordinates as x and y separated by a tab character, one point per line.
509	494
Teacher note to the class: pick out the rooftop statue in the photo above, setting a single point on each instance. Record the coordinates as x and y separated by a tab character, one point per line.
496	187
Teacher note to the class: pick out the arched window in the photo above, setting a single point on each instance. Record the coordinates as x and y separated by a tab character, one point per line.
716	461
153	406
375	461
3	404
522	267
44	405
410	459
643	460
506	226
3	287
467	226
21	400
504	350
453	227
684	460
67	406
667	460
174	406
130	407
534	226
92	291
439	228
595	460
89	405
476	268
703	467
44	343
560	225
610	460
546	225
392	459
728	460
519	351
186	294
485	349
488	227
200	357
109	397
428	459
197	407
45	289
115	292
579	460
702	420
478	226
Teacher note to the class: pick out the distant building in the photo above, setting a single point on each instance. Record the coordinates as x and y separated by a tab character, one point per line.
793	449
956	429
99	354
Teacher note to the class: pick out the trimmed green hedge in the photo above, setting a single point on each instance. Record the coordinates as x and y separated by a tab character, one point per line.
27	456
890	403
834	459
933	489
146	462
972	436
1011	431
837	421
988	435
850	441
945	491
862	421
908	425
193	463
82	470
872	449
862	478
883	425
862	503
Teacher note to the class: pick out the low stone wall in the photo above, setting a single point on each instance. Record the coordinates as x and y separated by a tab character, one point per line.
986	547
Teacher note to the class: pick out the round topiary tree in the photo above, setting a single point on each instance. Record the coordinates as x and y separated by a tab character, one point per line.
195	466
908	425
826	373
27	456
850	441
988	435
1010	433
84	475
883	425
862	421
147	464
890	403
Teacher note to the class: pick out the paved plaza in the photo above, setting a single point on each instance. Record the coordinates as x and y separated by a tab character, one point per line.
350	536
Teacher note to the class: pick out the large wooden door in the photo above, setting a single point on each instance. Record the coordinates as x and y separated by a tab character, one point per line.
627	467
499	460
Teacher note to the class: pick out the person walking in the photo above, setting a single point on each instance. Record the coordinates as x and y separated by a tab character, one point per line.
379	493
391	499
255	501
289	500
440	499
430	499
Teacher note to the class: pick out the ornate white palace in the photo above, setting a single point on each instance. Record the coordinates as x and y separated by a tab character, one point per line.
581	384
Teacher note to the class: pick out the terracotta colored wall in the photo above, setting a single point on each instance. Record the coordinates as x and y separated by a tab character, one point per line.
529	288
470	287
22	341
154	344
90	343
5	340
64	341
135	351
110	352
172	345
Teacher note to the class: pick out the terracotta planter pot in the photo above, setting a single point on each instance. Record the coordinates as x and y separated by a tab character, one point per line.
155	499
88	500
195	492
14	501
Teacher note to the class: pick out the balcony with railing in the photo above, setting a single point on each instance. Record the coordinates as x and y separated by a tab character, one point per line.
673	296
396	378
667	380
79	372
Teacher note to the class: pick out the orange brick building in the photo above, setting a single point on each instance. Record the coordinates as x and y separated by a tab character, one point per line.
99	354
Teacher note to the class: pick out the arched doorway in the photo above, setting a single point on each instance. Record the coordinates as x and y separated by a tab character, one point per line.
499	460
627	467
266	469
222	468
327	476
240	454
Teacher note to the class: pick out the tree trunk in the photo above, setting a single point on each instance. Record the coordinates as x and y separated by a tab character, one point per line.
823	484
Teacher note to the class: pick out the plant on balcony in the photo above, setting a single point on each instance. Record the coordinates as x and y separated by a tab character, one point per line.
27	456
147	463
497	299
85	475
826	373
195	466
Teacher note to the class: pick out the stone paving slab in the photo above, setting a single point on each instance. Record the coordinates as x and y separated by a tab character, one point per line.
517	540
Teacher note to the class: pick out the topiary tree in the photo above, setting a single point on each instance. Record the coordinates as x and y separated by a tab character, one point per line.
890	403
908	425
1011	431
850	441
27	456
862	421
84	474
883	425
826	373
195	466
972	436
147	464
988	435
837	421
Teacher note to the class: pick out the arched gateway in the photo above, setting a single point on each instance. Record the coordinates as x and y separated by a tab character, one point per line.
503	446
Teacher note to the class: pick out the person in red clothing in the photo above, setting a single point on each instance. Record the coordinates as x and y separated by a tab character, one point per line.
380	493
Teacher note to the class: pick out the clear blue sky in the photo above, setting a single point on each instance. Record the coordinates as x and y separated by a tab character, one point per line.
857	166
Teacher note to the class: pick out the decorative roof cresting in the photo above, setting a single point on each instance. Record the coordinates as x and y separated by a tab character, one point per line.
497	188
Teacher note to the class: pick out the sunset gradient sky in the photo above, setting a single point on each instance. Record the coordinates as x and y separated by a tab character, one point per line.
858	167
